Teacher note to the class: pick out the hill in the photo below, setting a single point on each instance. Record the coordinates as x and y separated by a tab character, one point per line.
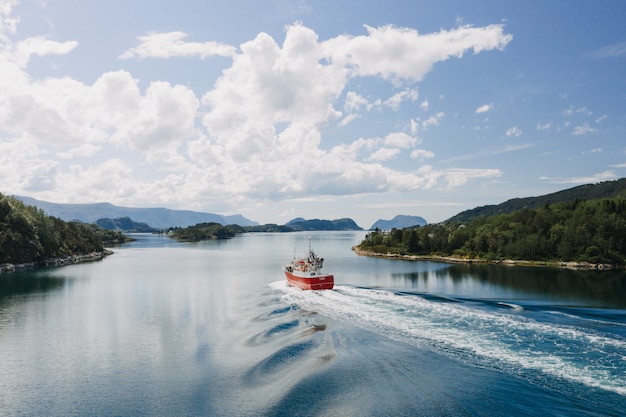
29	236
587	233
125	224
206	231
300	224
160	218
399	222
606	189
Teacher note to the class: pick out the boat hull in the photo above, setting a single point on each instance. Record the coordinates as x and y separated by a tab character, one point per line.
306	282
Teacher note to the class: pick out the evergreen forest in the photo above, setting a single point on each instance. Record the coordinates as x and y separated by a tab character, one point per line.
28	235
205	231
591	231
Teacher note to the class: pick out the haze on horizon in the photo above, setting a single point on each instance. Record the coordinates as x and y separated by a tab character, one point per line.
282	109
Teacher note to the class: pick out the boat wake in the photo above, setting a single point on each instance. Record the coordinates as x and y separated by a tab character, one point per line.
505	340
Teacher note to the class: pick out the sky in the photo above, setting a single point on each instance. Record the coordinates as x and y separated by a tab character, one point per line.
310	108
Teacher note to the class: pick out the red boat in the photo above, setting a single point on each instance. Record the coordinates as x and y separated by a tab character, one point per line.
306	273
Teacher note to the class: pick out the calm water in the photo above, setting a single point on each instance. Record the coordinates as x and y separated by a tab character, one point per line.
211	329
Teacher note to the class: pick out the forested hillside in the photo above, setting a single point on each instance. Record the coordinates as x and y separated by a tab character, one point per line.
27	235
606	189
590	231
205	231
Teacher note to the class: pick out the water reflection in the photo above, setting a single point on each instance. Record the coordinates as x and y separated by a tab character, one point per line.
594	289
28	282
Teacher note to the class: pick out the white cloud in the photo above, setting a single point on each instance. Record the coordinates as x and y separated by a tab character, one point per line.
544	126
432	121
171	44
424	105
403	54
458	177
8	23
84	150
348	119
484	108
583	129
256	135
514	132
400	140
421	154
354	101
491	151
40	46
614	50
574	110
397	99
384	154
601	176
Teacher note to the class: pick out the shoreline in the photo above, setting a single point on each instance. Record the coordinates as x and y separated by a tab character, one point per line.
67	260
505	262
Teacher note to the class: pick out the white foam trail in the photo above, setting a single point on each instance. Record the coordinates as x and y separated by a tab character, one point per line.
504	341
513	306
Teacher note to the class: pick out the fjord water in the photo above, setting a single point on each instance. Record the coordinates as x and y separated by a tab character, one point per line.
211	329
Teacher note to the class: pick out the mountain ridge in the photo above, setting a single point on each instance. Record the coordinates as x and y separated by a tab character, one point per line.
400	221
159	217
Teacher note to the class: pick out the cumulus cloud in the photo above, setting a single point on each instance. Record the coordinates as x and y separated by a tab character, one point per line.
583	129
384	154
404	54
514	132
397	99
257	134
421	154
399	140
484	108
40	46
171	44
354	101
418	124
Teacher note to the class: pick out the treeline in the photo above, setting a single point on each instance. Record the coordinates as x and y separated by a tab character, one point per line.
205	231
605	189
27	234
586	231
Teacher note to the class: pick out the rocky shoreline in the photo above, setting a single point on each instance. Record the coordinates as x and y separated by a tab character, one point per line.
67	260
507	262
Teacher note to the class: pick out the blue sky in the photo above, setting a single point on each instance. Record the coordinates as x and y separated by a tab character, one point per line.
316	109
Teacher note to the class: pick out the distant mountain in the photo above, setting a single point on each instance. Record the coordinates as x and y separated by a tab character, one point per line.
125	224
300	224
160	218
606	189
399	222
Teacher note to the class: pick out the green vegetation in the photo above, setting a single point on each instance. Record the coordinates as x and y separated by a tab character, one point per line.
27	235
300	224
591	231
110	237
205	231
605	189
269	228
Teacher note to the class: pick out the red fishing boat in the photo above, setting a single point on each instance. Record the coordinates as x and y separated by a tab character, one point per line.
306	273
